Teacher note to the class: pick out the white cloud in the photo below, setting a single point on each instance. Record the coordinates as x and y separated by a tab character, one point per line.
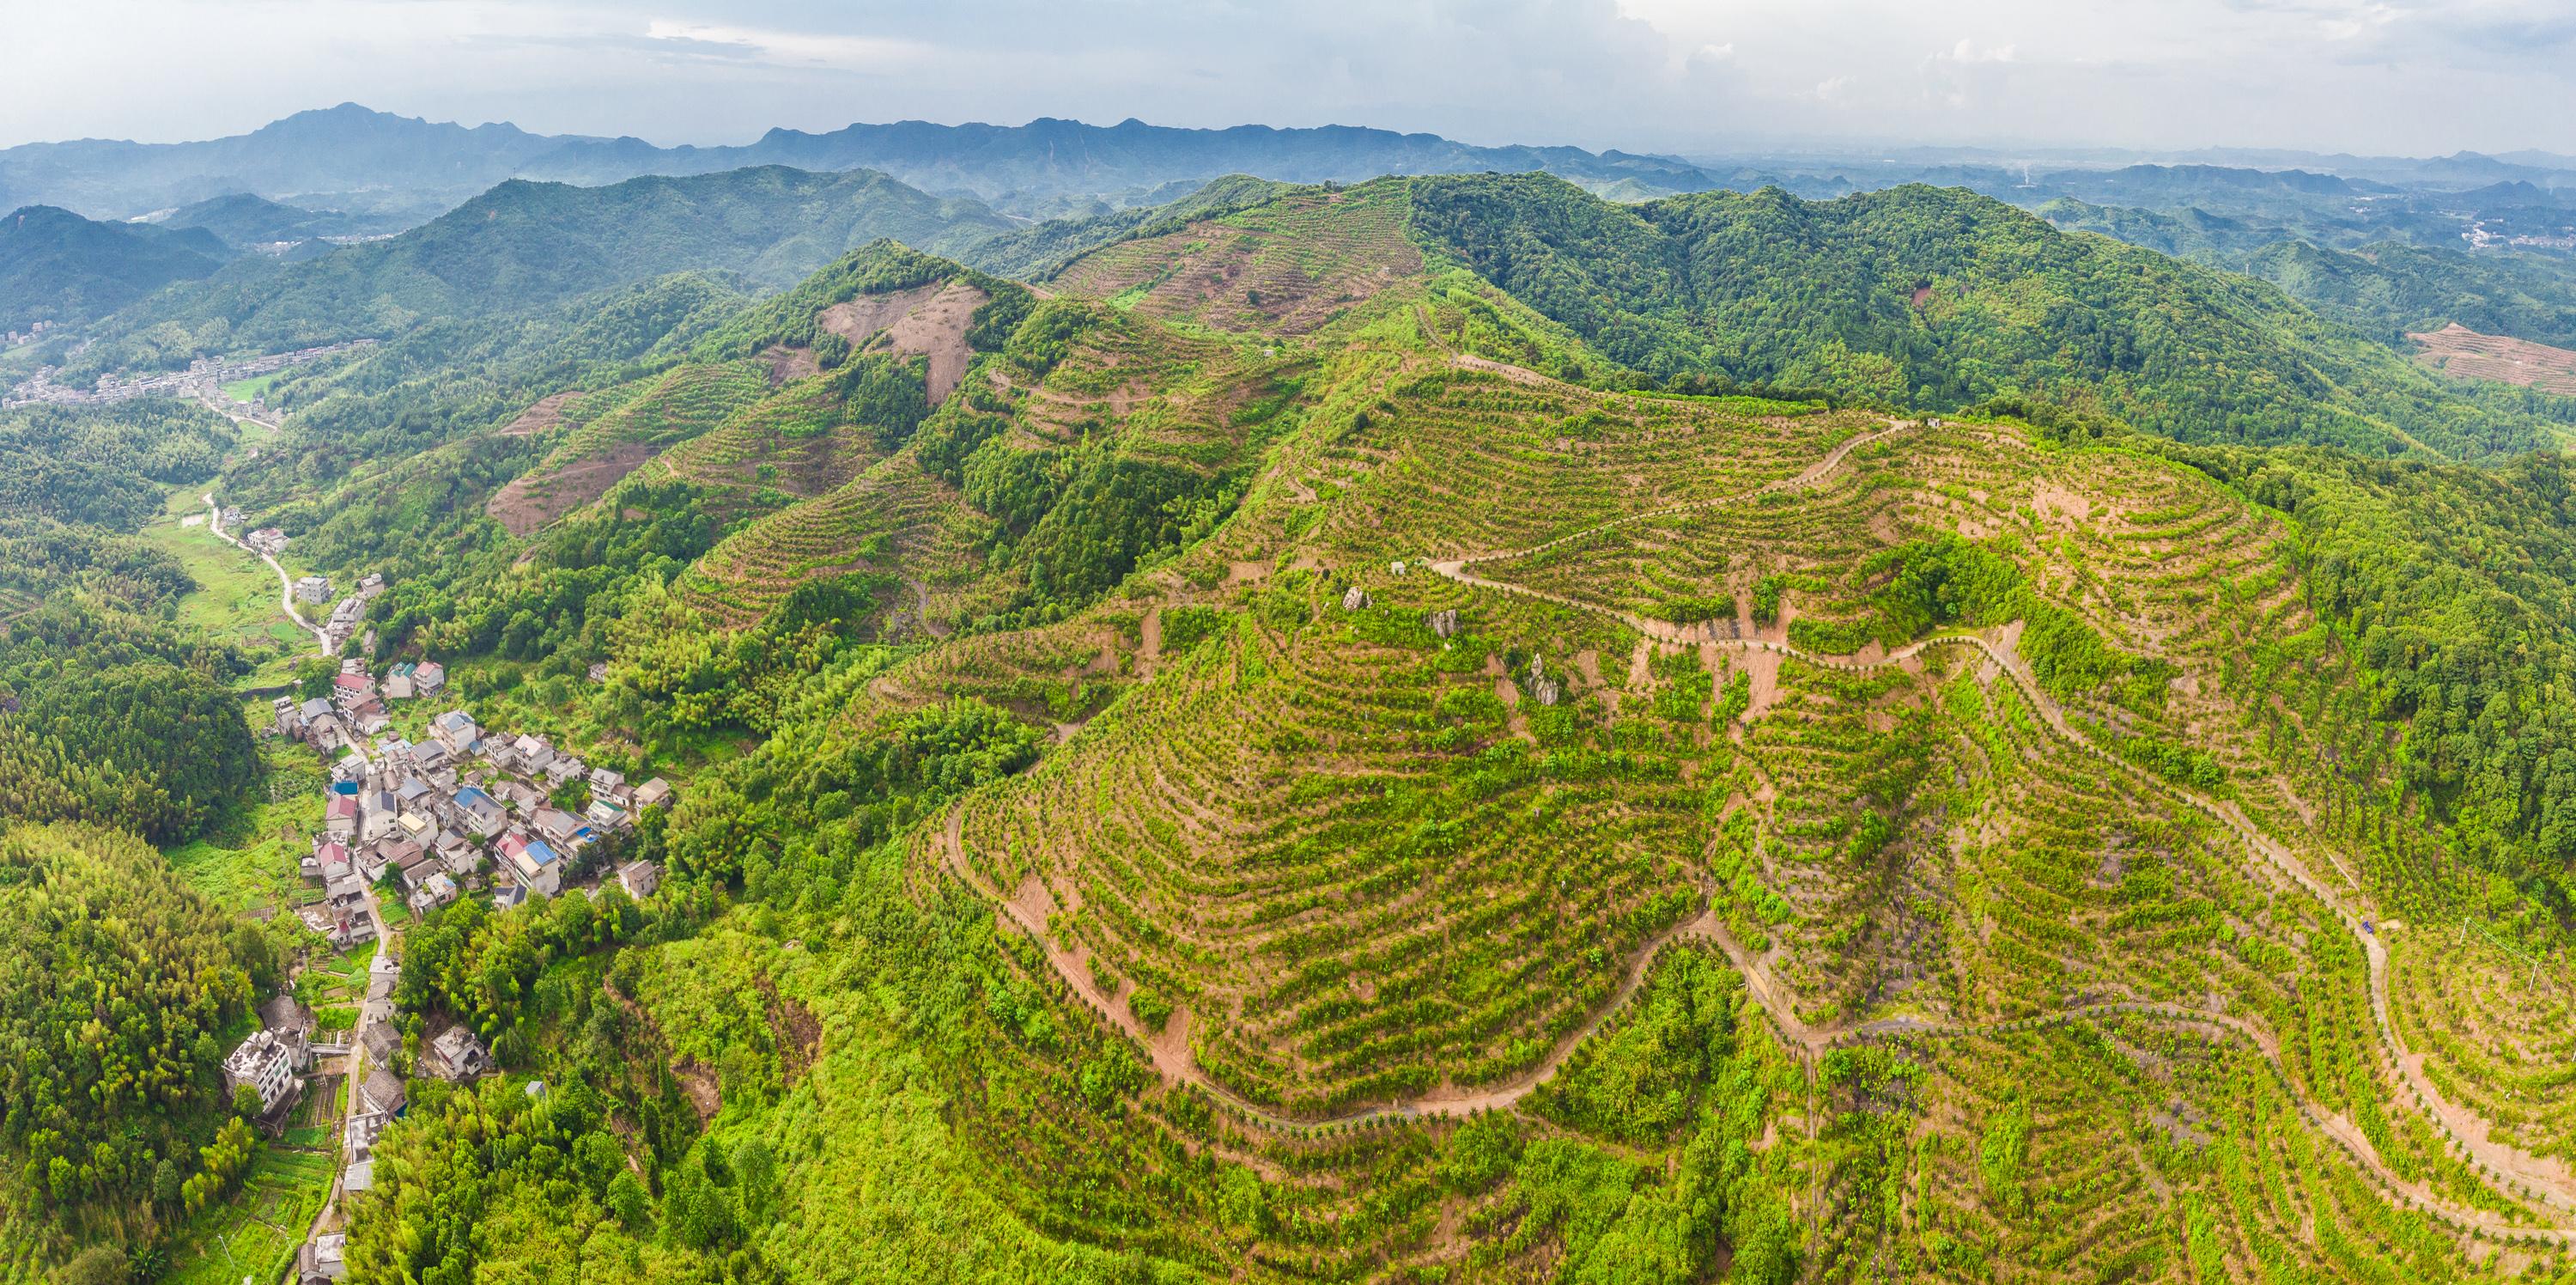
1675	75
1968	50
801	48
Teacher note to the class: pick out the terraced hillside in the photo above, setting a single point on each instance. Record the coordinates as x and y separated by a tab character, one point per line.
1359	785
1286	266
1953	741
618	431
1116	411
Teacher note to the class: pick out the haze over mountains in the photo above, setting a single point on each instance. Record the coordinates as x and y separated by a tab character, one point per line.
302	187
374	162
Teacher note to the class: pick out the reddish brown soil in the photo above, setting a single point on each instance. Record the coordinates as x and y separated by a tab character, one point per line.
787	363
536	499
536	419
2462	353
927	321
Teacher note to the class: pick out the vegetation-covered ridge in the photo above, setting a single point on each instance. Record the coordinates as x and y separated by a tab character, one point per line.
1300	750
1940	299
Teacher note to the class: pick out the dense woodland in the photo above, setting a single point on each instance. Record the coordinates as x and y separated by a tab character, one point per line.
116	995
1937	299
109	711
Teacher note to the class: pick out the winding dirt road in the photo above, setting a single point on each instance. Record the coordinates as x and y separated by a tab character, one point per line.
2546	1178
285	582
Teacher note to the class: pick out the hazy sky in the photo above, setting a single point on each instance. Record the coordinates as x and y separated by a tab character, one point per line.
2391	76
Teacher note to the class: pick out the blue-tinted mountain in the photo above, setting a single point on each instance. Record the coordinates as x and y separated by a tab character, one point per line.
57	266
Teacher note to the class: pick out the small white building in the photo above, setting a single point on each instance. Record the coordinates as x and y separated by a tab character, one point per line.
313	589
457	1055
639	878
268	1062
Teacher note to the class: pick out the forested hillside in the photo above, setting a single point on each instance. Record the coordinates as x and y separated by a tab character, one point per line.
1442	729
116	989
58	267
108	712
1940	299
524	246
1812	842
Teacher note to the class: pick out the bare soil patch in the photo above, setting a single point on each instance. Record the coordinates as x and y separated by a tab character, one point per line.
787	363
927	321
545	414
858	320
2462	353
698	1081
535	499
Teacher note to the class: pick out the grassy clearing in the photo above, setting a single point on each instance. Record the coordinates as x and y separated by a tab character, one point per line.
249	866
242	390
236	596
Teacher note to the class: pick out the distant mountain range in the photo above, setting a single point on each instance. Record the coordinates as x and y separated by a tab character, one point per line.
524	246
350	157
402	170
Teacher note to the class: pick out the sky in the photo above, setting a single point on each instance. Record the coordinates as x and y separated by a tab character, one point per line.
2391	77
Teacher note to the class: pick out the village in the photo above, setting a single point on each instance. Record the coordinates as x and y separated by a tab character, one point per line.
465	811
203	380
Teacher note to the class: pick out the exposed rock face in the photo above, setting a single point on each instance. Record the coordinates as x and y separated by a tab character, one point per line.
1542	688
1444	623
1354	598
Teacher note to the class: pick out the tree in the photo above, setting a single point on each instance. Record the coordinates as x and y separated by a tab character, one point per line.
313	676
96	1265
628	1202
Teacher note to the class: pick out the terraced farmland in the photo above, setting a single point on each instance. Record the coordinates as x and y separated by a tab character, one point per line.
646	420
1287	267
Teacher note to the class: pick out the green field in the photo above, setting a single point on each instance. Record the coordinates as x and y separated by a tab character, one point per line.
254	1235
242	390
236	596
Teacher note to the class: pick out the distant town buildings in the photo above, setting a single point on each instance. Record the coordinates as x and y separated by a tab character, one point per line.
204	378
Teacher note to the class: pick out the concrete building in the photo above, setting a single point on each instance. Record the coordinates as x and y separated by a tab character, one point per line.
268	1062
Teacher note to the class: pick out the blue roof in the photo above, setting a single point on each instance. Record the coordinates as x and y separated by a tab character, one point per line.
472	795
540	854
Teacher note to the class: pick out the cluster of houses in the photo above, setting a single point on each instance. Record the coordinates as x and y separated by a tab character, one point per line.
355	709
34	330
350	611
203	377
274	1058
436	813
